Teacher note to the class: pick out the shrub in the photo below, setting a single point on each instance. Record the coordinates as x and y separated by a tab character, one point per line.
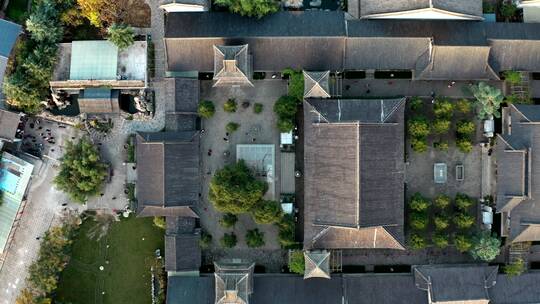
416	103
463	201
417	242
285	109
228	240
206	239
286	232
419	221
254	238
516	99
462	242
442	201
515	268
508	10
206	109
464	106
258	108
297	262
441	145
419	145
441	222
296	83
441	126
465	127
485	247
440	240
267	212
230	105
228	220
488	100
512	77
443	109
231	127
418	202
463	220
121	35
234	189
464	145
418	127
159	221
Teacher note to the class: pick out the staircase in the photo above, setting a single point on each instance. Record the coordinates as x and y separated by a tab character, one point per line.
519	251
336	261
336	85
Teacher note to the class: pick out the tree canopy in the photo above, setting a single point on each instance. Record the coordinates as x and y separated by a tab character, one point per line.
297	262
235	190
121	35
267	212
488	100
285	108
81	171
250	8
485	247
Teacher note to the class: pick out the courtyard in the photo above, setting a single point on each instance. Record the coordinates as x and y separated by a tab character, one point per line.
219	147
126	251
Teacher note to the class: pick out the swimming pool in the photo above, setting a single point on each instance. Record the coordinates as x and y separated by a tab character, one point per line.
8	181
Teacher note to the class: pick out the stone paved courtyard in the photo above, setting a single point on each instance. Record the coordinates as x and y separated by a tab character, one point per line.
254	129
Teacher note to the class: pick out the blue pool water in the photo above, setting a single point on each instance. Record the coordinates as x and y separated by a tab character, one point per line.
8	181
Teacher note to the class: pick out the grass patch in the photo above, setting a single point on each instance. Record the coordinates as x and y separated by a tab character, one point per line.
126	277
16	10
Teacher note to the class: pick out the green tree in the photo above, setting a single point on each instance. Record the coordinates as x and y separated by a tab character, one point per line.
441	222
43	24
228	240
442	201
418	220
485	247
250	8
419	145
515	268
159	221
463	243
21	93
418	127
206	239
230	105
228	220
465	127
267	212
463	106
508	10
464	145
512	77
297	264
285	109
463	220
488	100
440	240
81	171
234	189
441	126
463	201
417	242
206	109
443	109
418	202
254	238
231	127
258	108
416	103
296	83
40	62
286	232
121	35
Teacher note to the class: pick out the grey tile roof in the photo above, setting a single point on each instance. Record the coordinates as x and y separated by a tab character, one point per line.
457	63
232	65
168	170
317	264
316	84
456	283
182	252
522	289
517	163
9	121
353	165
103	101
9	32
472	8
281	24
186	94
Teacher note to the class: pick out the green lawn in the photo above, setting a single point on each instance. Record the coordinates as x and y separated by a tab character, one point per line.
126	278
16	10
